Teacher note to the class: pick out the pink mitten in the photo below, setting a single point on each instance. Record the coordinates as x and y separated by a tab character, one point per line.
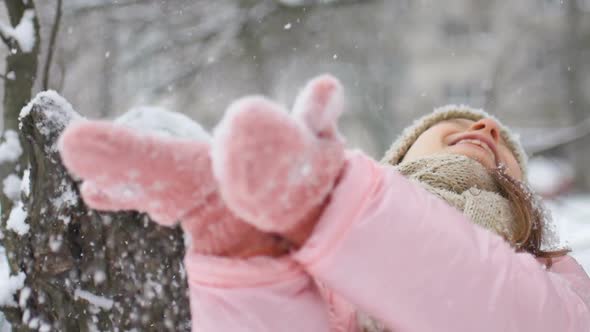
274	169
170	179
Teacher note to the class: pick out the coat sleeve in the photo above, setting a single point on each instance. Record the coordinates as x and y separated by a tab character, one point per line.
259	294
406	257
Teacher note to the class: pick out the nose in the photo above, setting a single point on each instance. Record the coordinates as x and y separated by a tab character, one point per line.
487	126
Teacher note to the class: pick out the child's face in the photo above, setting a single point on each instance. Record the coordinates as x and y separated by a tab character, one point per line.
479	140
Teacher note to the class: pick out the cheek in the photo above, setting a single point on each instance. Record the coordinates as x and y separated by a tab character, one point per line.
512	165
424	146
517	172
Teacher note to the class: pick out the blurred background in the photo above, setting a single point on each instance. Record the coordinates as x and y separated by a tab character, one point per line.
527	62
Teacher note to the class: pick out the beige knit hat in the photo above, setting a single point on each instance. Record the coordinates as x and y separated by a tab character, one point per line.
410	134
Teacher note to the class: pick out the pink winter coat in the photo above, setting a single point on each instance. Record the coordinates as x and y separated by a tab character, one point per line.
389	249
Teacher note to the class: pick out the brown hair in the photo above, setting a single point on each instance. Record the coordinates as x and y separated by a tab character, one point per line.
529	222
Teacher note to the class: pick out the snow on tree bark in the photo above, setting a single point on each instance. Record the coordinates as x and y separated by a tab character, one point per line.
20	68
87	270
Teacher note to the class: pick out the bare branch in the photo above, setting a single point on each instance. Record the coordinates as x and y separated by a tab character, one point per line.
183	77
102	5
62	70
147	54
51	49
307	3
545	140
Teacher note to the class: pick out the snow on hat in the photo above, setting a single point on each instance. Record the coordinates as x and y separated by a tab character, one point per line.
410	134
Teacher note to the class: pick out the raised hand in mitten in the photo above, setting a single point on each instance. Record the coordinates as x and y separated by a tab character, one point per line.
170	179
276	170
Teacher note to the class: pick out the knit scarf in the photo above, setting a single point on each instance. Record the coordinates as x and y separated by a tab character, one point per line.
466	185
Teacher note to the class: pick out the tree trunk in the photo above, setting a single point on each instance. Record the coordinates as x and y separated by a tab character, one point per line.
84	269
21	69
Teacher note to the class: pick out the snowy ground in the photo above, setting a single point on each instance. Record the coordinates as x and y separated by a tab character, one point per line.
572	217
554	178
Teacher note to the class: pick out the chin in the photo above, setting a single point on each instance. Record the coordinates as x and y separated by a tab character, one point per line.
474	153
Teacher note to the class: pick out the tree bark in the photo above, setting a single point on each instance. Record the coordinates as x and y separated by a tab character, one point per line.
85	269
17	91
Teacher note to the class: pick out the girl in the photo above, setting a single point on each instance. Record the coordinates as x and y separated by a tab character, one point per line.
291	232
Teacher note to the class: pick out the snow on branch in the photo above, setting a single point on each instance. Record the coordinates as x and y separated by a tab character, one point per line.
17	220
56	109
11	187
23	33
11	149
99	301
8	284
